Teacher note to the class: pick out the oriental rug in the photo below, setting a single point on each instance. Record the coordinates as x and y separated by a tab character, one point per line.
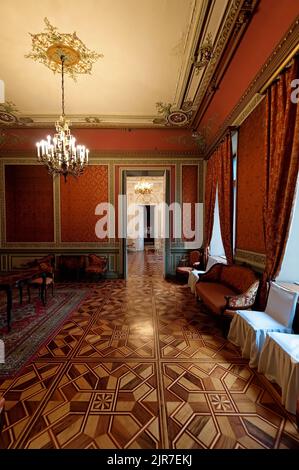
33	324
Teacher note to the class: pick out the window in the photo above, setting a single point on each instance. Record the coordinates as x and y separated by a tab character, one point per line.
290	268
216	245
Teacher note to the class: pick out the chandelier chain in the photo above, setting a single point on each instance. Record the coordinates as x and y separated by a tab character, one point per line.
62	83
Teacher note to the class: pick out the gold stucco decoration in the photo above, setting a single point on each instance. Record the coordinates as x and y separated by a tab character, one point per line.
49	46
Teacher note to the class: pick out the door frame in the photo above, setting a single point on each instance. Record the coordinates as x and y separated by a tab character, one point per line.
143	172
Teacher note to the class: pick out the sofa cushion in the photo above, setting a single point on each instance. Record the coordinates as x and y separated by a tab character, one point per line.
213	295
238	278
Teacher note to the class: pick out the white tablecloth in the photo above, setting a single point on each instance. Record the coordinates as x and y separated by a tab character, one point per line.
193	278
279	362
249	329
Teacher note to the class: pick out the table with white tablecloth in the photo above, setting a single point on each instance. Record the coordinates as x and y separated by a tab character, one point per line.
193	278
279	362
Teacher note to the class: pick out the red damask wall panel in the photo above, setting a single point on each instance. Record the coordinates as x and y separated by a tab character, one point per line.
79	198
251	182
29	204
189	193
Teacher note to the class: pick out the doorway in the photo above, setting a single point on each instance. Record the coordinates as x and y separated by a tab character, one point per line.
149	232
145	221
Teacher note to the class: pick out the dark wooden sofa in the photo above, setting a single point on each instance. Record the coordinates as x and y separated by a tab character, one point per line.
225	288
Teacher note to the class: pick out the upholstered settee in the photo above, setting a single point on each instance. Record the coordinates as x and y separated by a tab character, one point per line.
225	288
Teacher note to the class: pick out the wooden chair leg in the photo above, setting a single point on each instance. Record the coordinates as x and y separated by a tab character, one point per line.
28	293
21	293
2	406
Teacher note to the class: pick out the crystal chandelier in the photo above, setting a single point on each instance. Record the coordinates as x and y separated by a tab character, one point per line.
143	187
61	154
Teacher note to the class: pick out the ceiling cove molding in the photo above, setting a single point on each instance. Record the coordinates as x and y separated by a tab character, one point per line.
238	18
201	21
102	156
253	96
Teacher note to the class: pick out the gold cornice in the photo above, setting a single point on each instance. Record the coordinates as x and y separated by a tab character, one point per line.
78	122
99	156
280	69
235	24
256	100
205	11
282	54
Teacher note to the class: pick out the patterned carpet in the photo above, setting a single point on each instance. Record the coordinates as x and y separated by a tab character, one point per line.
141	365
32	325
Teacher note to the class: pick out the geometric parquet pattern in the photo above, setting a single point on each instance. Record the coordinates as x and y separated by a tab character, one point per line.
142	365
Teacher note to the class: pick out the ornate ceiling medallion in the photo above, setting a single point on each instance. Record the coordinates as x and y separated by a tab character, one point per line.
9	115
173	116
48	48
177	118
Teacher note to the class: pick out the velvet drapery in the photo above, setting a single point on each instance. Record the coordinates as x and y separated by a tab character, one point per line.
225	195
210	197
220	175
281	170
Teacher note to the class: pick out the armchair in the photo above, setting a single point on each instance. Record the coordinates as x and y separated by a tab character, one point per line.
186	265
42	282
97	266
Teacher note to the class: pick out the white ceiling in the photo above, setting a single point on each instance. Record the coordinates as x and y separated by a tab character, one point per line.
147	45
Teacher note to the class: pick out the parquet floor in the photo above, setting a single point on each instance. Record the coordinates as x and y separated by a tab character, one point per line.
142	365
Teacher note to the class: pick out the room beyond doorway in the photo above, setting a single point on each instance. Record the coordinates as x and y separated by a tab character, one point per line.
145	218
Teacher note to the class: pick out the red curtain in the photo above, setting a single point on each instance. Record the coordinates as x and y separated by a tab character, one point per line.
220	173
210	196
282	166
225	195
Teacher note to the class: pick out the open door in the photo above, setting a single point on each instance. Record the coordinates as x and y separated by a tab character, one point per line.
122	215
167	229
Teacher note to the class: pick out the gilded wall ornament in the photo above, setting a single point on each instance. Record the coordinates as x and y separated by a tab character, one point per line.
9	115
48	47
173	116
204	54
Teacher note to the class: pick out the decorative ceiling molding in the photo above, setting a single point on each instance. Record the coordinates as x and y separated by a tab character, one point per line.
48	47
10	116
172	116
238	17
208	63
287	47
98	155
